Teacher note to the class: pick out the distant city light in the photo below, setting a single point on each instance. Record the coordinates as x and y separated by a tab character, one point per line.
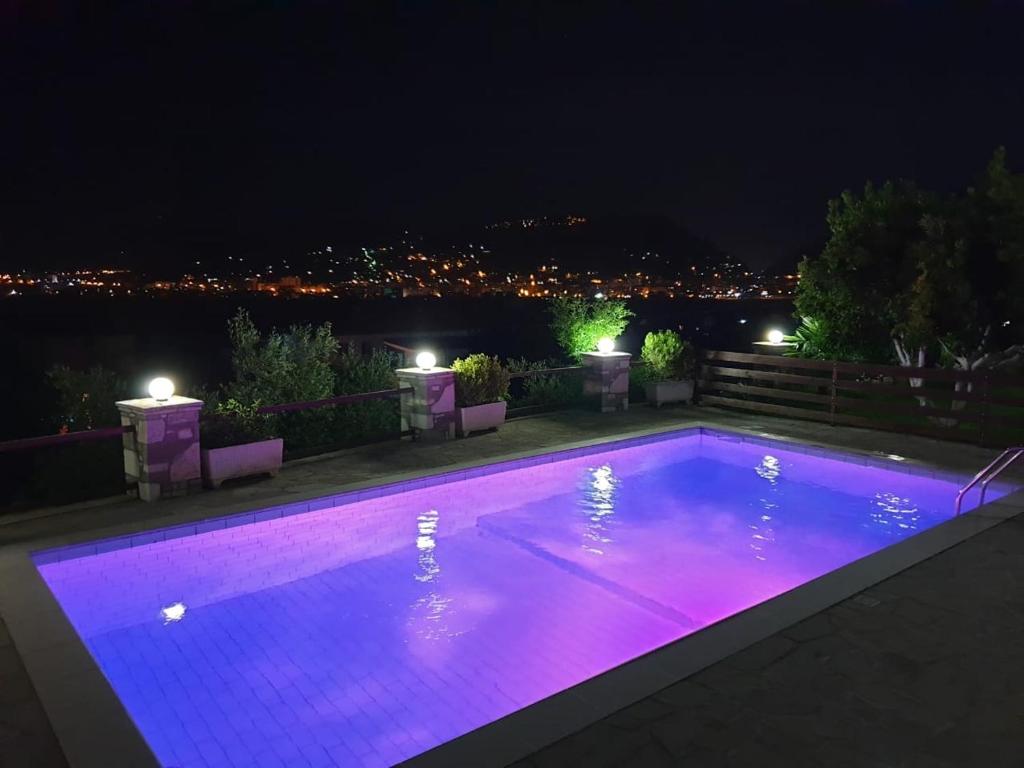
426	360
161	389
605	345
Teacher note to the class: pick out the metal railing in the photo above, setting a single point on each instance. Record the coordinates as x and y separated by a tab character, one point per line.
988	474
380	394
544	371
63	438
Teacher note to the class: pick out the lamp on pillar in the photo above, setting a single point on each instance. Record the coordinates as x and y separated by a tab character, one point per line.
607	376
428	411
161	452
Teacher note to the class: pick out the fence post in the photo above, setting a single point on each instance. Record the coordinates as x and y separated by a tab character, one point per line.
833	402
985	408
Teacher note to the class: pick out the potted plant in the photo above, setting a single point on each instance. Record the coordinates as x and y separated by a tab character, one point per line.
237	441
670	364
481	388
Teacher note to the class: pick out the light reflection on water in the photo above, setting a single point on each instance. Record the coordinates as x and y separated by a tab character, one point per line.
763	535
890	511
598	504
429	610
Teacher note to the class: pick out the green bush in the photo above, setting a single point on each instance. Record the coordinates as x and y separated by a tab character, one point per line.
285	367
553	389
354	373
578	324
809	340
234	423
85	399
281	367
668	356
479	379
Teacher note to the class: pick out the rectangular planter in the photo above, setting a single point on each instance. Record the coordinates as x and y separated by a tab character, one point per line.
220	464
661	392
479	417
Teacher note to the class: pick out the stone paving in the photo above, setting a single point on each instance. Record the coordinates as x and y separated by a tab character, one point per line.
926	669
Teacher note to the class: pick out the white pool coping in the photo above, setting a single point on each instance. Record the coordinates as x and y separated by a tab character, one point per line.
94	729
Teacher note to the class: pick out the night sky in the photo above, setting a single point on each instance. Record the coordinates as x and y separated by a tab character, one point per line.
170	129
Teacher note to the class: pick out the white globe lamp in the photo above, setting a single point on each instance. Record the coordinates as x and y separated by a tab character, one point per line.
161	389
426	360
605	345
775	336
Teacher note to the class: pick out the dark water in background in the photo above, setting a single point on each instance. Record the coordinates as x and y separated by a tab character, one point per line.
185	337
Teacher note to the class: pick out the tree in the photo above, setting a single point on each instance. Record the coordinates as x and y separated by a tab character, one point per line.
966	298
578	324
935	278
856	289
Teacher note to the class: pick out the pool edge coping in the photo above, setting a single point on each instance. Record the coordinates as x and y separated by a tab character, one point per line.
93	728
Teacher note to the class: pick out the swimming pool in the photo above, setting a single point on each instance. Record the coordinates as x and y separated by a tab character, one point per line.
372	629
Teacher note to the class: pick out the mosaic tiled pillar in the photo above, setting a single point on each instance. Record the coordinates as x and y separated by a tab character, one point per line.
607	378
429	410
161	455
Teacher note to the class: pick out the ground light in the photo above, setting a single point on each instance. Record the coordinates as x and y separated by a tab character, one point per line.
426	360
161	389
605	345
775	336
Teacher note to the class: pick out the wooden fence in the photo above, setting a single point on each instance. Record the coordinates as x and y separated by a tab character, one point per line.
970	406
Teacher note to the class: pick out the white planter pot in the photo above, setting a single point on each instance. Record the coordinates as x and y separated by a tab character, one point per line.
220	464
478	417
661	392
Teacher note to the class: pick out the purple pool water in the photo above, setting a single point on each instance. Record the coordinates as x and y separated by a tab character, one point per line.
367	633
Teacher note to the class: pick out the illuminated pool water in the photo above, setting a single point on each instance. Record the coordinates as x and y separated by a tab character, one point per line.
369	632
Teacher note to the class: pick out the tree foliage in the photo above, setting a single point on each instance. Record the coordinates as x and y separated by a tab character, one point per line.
918	275
479	379
281	367
85	399
578	324
667	355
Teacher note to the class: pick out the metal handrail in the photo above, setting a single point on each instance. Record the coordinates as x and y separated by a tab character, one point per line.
380	394
63	438
544	371
989	473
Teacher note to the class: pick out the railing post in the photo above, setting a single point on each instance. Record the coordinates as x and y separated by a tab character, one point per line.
834	395
985	408
606	375
161	452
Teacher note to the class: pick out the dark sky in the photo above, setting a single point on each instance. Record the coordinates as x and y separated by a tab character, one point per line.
168	127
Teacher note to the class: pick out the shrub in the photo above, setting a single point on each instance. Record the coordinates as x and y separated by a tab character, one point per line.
285	367
479	379
281	367
355	372
85	399
555	389
667	356
578	324
234	423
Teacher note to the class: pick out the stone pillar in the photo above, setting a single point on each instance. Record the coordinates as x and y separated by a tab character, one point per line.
429	410
607	377
162	454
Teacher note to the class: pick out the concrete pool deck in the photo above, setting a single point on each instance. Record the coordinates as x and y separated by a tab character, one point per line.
862	638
